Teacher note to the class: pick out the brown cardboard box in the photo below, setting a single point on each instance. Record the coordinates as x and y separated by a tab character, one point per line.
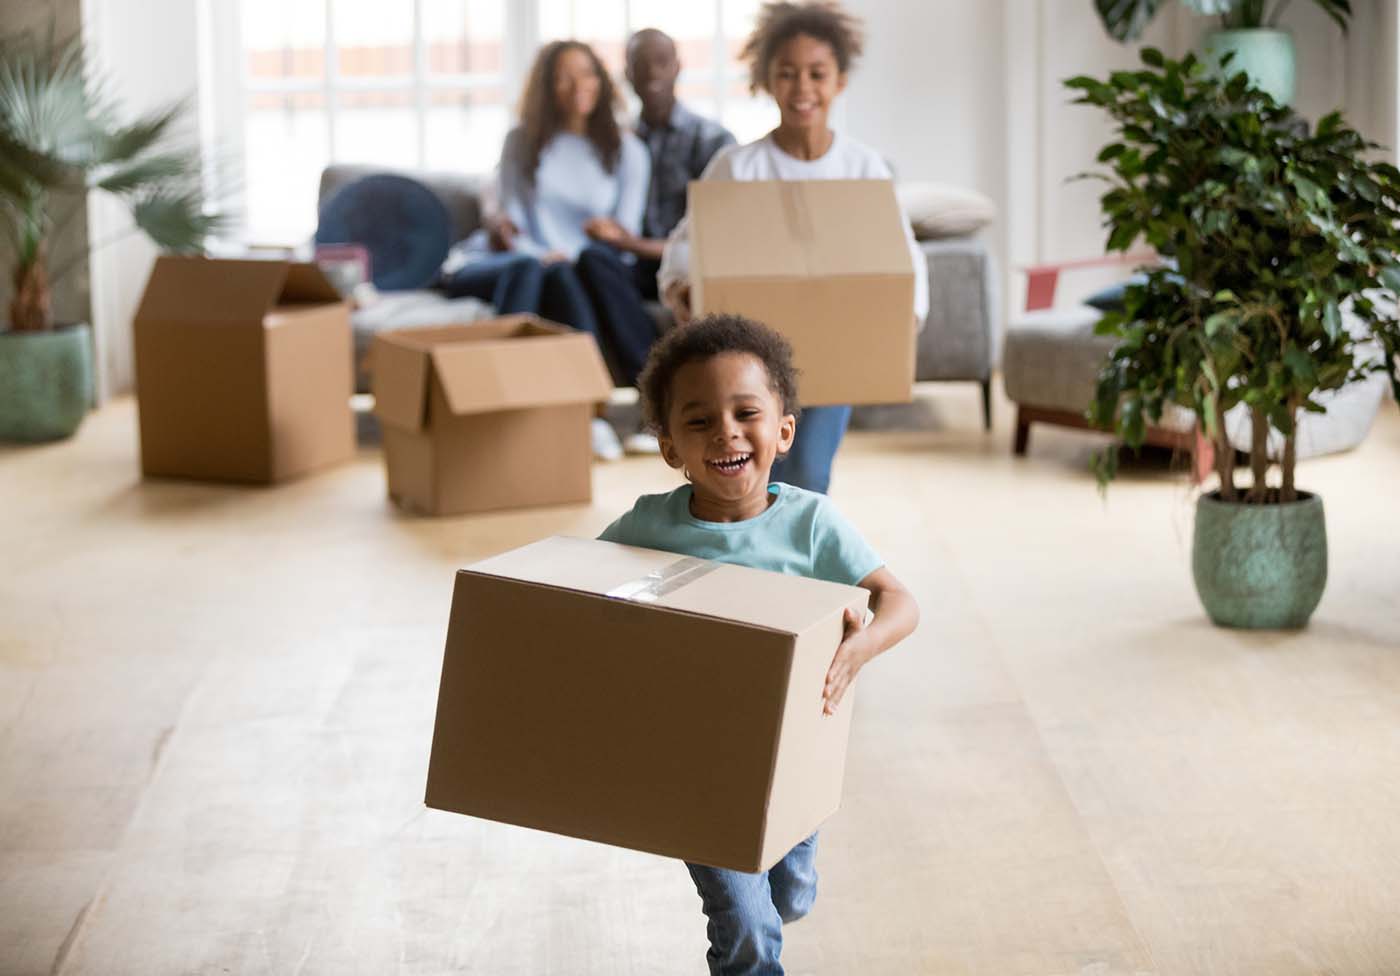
488	415
826	263
243	371
642	699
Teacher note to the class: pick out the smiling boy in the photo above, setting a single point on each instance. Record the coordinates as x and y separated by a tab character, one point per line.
721	394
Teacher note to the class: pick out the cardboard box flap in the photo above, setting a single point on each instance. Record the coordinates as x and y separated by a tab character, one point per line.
799	228
723	591
305	284
196	289
399	382
531	369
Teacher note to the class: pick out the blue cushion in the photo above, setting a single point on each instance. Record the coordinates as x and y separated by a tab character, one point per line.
1110	299
401	222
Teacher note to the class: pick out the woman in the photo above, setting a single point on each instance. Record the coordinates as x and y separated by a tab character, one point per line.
800	53
566	167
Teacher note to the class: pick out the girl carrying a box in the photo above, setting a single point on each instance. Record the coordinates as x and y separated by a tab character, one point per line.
800	54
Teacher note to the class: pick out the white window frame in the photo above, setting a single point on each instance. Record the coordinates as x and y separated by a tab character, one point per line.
225	85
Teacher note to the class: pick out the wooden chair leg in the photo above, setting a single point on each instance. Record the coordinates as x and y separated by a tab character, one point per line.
1023	434
987	404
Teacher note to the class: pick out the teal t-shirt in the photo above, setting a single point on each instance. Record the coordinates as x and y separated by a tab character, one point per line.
801	533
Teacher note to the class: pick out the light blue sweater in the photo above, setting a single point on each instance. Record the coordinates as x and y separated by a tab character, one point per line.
570	187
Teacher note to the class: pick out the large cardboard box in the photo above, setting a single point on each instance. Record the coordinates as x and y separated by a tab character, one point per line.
642	699
826	263
243	371
488	415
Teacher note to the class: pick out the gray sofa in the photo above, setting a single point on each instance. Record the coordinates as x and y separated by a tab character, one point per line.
955	344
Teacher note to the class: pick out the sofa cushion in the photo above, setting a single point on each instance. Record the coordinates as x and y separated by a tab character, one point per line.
939	210
402	224
461	194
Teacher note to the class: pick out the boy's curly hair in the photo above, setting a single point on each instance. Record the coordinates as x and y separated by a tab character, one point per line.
779	23
703	339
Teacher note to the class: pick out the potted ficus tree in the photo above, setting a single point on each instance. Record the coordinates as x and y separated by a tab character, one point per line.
1248	31
61	136
1283	243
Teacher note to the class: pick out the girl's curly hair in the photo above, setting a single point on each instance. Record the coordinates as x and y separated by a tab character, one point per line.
779	23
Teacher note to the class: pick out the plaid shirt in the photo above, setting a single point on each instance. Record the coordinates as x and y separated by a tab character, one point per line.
680	151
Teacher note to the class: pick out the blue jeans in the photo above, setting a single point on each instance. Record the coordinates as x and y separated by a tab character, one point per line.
746	912
625	326
511	282
808	462
516	283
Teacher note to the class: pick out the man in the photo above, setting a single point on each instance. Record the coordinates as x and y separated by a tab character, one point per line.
681	144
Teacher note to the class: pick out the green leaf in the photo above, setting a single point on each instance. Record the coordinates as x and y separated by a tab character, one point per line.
151	171
175	221
1220	321
1390	277
1332	319
1300	364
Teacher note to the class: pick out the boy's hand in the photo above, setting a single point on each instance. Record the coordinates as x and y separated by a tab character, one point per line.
850	657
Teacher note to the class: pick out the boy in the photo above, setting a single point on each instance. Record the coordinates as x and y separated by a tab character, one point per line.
721	395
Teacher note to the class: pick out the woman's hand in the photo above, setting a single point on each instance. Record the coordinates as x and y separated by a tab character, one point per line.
553	257
677	299
500	233
606	230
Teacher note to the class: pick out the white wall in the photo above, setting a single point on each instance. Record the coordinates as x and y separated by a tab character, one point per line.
972	93
150	52
931	93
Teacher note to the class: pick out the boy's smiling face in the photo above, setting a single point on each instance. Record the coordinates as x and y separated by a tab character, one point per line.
726	426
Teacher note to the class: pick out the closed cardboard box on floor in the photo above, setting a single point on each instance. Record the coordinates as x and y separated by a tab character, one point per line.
488	415
243	371
642	699
826	263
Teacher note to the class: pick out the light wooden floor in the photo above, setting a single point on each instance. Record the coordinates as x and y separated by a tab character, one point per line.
215	708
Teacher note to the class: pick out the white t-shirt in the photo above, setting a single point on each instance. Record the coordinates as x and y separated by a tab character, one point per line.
763	160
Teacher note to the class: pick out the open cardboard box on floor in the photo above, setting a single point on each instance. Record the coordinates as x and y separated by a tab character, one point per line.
642	699
824	262
488	415
243	370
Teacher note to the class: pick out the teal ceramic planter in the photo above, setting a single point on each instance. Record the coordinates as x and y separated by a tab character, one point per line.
1260	567
1267	56
45	383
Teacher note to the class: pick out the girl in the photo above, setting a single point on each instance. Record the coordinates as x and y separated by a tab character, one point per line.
800	53
721	396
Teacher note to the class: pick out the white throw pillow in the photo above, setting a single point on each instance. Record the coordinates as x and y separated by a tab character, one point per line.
942	210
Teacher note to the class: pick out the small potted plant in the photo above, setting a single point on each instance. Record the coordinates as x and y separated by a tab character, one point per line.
1249	32
1283	241
60	137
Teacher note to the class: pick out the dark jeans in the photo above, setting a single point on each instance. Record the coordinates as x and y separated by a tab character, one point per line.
808	463
644	271
511	282
623	322
516	283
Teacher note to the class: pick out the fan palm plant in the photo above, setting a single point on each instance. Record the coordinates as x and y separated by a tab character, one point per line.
61	134
1127	19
